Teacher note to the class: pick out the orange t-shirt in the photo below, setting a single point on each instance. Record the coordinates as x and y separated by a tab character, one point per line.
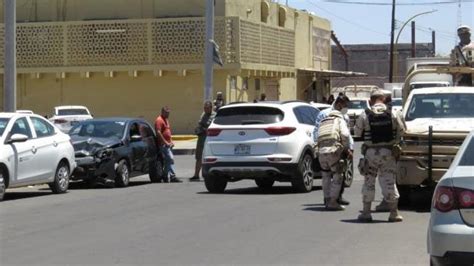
162	125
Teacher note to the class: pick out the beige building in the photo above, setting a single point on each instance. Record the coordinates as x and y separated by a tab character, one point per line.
130	57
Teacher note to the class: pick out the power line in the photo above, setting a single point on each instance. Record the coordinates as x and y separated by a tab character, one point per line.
417	3
346	20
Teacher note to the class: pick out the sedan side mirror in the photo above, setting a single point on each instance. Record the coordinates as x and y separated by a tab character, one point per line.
16	138
136	138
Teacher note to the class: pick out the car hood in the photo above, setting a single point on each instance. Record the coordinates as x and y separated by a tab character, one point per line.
90	145
421	125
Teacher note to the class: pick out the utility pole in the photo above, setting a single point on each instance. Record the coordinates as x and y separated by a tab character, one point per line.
9	104
413	39
392	37
433	41
209	59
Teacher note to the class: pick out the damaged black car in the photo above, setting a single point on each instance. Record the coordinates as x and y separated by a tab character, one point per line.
113	150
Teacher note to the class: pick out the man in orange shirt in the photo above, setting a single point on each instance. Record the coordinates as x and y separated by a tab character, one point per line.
163	132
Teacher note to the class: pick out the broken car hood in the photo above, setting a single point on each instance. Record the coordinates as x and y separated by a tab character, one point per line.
89	146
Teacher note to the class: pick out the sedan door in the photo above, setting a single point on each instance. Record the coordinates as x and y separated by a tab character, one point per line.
47	147
24	154
138	147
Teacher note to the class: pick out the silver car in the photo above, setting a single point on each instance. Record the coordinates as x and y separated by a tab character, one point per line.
451	228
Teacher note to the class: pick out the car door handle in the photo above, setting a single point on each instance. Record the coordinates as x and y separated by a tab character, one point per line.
55	144
34	150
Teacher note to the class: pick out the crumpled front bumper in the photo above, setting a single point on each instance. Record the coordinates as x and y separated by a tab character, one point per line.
90	167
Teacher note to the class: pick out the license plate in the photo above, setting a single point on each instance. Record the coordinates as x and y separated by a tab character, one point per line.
242	149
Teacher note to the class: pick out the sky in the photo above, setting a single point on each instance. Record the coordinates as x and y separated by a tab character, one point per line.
359	24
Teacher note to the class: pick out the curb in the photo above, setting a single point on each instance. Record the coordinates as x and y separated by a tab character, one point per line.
184	137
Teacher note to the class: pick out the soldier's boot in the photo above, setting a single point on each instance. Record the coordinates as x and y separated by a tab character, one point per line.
394	216
326	201
334	206
382	207
365	216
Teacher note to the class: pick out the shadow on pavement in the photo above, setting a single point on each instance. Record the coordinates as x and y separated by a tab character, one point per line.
10	196
85	185
355	221
277	190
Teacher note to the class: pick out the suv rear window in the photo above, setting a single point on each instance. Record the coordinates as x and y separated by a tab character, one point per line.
248	115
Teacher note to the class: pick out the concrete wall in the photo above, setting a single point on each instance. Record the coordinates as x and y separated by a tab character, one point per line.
374	59
121	95
76	10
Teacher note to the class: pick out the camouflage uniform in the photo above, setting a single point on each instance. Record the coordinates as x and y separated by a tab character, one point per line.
333	140
379	160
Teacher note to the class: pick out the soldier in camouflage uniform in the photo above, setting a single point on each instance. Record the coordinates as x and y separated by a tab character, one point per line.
333	142
380	132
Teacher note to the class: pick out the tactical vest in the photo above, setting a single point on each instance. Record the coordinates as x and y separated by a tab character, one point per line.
329	132
381	127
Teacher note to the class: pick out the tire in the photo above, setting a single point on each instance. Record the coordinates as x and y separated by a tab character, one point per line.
215	183
404	192
2	184
155	171
303	181
122	174
264	183
349	173
61	179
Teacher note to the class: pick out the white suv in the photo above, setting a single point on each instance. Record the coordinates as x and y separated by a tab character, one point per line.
266	142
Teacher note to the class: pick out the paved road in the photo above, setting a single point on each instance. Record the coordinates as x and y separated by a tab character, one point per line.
180	224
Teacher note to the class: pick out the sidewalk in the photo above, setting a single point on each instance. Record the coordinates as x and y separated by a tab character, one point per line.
184	144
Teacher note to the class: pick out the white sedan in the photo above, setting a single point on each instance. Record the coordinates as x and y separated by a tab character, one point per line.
451	228
33	152
65	117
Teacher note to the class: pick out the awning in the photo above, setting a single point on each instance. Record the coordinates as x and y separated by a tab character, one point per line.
333	73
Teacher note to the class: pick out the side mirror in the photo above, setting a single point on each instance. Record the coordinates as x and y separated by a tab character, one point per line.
15	138
136	138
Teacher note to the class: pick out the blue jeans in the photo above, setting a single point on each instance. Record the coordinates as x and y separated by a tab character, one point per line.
168	157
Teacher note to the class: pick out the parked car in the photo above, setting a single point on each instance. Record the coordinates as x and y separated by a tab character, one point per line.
356	107
33	152
266	142
113	150
321	106
65	117
397	105
451	227
28	112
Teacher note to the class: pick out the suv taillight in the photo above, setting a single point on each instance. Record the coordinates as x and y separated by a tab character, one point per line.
213	132
279	131
448	198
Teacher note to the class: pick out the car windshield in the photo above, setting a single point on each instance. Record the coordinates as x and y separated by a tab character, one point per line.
99	129
358	104
76	111
397	102
468	156
3	125
248	115
441	105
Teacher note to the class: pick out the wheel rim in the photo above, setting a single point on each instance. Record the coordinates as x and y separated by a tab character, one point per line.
307	172
125	174
63	177
2	183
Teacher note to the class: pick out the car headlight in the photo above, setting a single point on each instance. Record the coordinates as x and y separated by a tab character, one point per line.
104	154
